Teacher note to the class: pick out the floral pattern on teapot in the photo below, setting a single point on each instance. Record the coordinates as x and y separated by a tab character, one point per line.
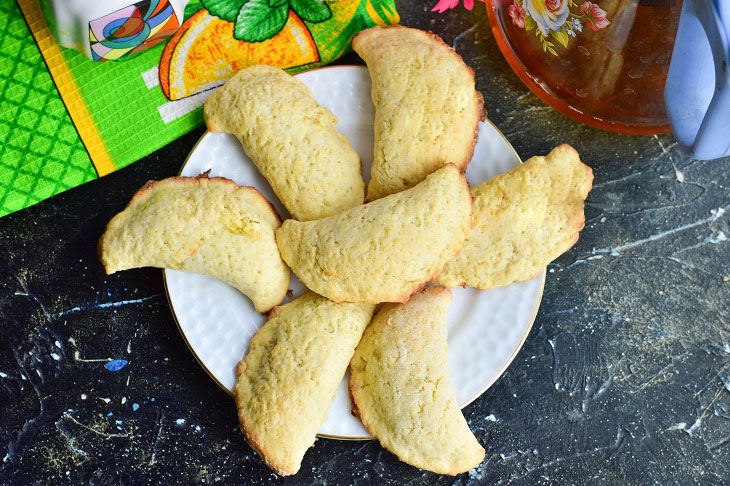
558	19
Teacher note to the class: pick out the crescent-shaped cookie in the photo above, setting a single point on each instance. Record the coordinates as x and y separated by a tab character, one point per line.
292	140
208	226
427	110
288	379
522	220
385	250
401	389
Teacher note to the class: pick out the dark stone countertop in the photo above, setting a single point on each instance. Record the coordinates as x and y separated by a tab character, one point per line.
624	379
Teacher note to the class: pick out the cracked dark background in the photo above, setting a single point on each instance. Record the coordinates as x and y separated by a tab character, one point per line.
624	378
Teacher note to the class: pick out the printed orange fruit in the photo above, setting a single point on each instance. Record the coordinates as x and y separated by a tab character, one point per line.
203	54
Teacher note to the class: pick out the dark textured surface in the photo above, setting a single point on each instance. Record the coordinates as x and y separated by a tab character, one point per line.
625	377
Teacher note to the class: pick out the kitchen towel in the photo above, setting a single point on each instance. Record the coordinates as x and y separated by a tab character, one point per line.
66	119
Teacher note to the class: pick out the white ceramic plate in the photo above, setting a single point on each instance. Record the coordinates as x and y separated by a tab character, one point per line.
486	328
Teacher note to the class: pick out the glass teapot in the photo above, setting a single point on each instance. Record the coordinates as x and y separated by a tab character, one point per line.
605	63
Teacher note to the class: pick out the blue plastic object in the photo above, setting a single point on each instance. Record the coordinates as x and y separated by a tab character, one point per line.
697	92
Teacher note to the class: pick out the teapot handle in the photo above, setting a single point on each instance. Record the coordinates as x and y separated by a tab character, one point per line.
697	92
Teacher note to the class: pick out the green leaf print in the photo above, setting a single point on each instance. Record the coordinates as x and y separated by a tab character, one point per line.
224	9
257	21
314	11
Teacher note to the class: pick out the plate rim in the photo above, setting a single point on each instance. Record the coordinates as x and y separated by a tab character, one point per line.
358	438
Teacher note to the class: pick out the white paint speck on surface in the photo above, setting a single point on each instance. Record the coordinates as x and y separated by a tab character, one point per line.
78	357
492	418
180	421
718	238
697	423
83	396
678	174
3	375
55	356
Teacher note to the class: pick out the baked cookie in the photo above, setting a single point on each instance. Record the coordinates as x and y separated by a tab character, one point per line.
401	389
208	226
427	111
286	382
292	140
385	250
522	220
